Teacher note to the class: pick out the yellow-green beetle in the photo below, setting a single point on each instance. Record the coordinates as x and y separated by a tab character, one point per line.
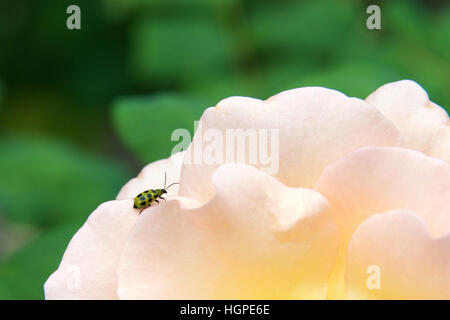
144	199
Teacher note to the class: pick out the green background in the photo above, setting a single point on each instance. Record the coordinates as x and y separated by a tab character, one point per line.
81	111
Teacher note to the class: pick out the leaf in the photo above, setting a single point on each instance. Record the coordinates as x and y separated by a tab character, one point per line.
165	50
407	20
145	123
214	91
352	79
440	34
301	26
46	182
118	9
23	275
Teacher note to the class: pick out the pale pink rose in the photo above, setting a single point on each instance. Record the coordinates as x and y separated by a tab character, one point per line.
359	208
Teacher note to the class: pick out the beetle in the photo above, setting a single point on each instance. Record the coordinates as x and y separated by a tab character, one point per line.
144	199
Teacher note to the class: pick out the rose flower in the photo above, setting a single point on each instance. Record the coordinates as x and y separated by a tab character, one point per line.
356	205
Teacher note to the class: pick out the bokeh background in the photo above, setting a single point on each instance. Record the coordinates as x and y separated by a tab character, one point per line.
81	111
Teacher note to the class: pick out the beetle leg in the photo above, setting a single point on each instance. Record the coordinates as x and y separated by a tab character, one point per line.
163	198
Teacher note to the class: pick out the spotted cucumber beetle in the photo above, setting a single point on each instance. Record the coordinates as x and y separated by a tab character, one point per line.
144	199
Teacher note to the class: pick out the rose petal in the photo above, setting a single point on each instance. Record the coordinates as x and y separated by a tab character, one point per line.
378	179
152	177
88	267
316	127
392	256
424	125
256	238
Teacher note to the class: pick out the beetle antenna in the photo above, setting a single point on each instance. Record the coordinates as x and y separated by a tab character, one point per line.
165	179
171	185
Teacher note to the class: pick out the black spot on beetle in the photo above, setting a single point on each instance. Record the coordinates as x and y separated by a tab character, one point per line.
143	203
142	198
150	196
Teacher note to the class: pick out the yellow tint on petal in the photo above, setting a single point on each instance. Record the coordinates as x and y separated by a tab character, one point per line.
88	267
255	239
392	256
378	179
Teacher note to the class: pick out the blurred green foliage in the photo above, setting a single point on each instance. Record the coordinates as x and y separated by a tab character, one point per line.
1	93
24	273
46	183
192	47
80	111
145	124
